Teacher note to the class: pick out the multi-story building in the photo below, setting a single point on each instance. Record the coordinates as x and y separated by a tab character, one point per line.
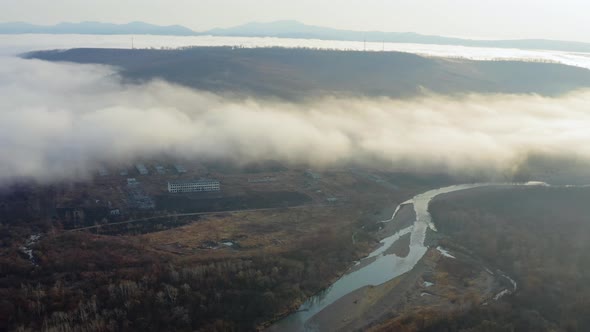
192	186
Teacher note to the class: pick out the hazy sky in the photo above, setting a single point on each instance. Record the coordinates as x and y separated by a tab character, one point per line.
551	19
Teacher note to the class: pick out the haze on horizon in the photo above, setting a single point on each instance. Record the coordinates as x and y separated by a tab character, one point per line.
501	19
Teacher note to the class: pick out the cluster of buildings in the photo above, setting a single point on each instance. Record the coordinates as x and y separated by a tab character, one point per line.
138	198
142	169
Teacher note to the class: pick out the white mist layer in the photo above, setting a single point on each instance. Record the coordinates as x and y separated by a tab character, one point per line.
57	121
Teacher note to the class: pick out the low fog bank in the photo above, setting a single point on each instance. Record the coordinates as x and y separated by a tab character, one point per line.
59	121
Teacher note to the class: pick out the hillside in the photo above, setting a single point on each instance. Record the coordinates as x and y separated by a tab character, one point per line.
302	73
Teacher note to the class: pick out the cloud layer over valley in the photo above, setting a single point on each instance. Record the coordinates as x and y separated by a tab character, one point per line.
59	121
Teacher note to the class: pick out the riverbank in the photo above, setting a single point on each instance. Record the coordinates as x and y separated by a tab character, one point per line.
538	236
402	250
436	283
383	265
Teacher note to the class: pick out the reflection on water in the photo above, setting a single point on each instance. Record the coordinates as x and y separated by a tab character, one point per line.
380	267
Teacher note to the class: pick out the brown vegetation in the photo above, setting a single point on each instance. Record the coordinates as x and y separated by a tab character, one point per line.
538	236
175	279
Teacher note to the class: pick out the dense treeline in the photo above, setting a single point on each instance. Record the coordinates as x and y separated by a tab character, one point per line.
85	282
539	236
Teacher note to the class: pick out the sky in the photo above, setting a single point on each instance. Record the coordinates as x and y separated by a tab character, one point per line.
499	19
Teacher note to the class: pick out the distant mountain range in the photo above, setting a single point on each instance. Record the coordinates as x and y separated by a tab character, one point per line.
96	28
294	29
288	29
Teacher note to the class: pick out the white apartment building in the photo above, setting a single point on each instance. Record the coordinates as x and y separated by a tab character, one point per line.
192	186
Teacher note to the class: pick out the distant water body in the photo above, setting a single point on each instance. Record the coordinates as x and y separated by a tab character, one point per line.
15	44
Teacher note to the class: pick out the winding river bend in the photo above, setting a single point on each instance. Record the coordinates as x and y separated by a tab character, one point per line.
380	267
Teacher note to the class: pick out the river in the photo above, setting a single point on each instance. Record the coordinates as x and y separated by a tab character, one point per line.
380	267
